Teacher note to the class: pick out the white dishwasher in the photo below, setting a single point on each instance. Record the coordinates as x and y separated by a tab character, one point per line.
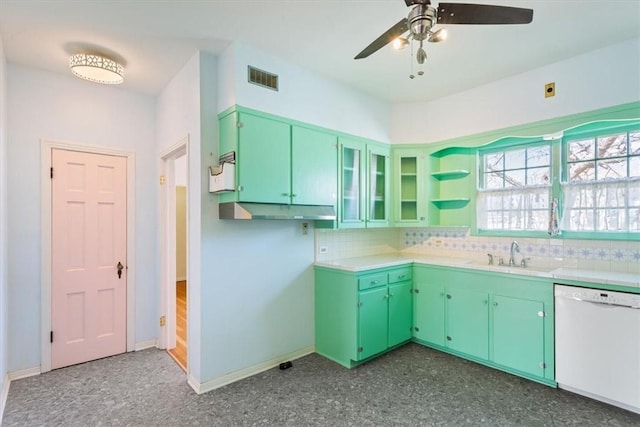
598	344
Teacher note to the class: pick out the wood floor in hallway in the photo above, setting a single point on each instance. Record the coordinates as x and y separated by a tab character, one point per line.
179	353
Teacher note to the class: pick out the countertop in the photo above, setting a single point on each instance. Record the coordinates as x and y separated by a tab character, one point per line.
358	264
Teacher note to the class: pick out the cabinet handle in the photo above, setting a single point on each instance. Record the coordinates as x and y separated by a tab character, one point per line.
541	313
293	195
485	301
495	304
401	276
374	282
240	187
285	194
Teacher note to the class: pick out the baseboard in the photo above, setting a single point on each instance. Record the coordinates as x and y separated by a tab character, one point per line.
5	394
247	372
24	373
146	344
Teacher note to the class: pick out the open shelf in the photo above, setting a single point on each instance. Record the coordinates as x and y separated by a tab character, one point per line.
454	203
452	174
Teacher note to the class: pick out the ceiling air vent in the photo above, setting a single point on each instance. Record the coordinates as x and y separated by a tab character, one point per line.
263	78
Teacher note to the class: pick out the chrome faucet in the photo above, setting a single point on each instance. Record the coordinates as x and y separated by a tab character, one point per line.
514	248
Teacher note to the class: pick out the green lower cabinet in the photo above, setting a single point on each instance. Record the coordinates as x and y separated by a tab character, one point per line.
518	334
467	320
428	312
400	313
361	315
500	320
373	322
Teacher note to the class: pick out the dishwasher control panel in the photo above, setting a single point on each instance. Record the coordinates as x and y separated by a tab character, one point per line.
598	296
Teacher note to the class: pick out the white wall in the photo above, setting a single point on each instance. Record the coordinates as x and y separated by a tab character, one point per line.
4	274
178	116
302	95
59	107
598	79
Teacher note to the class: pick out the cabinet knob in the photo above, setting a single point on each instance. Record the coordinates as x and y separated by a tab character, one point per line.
485	302
285	194
417	291
495	304
442	294
541	313
416	329
448	338
448	296
401	276
386	296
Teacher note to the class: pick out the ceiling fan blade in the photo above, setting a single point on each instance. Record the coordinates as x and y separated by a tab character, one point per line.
467	13
390	35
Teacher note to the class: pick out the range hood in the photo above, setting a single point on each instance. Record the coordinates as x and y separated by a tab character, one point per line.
246	210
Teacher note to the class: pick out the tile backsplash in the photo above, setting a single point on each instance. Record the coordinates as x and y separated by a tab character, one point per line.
603	255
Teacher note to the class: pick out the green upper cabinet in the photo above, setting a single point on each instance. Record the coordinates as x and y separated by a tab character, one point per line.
351	210
264	159
378	179
409	188
314	160
364	184
279	162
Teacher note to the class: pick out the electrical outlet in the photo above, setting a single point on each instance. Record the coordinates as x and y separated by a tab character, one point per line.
305	228
163	320
438	242
324	249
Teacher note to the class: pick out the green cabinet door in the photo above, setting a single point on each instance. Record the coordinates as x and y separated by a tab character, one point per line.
264	160
429	312
373	326
314	167
518	334
378	194
409	184
351	209
400	313
468	322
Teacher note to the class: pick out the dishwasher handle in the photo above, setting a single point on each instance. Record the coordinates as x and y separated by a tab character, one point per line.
610	304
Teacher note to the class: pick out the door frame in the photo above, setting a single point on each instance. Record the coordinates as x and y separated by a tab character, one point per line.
167	199
46	145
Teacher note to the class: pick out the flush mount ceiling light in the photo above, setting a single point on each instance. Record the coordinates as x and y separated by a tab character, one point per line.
96	68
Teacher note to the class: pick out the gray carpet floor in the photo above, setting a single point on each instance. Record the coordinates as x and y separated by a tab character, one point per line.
412	386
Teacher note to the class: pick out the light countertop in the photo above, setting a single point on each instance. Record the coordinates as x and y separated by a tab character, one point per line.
358	264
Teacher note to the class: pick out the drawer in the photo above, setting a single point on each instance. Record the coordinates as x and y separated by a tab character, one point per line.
372	281
401	275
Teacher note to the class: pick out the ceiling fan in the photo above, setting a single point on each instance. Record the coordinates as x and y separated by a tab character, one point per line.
423	16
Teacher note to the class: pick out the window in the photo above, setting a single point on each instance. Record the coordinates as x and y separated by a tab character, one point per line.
601	185
515	188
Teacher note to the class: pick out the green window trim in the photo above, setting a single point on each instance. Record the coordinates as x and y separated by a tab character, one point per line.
559	164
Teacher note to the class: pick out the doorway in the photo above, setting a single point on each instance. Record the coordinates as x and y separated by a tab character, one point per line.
174	225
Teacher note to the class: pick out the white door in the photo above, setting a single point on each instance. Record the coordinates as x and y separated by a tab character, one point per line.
88	256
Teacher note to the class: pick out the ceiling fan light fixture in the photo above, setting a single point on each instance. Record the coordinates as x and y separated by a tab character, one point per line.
96	68
400	43
438	35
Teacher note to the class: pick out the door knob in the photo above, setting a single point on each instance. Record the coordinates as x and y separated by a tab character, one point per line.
119	267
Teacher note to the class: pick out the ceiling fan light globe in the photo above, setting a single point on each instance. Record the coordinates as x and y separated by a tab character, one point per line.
400	43
438	36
